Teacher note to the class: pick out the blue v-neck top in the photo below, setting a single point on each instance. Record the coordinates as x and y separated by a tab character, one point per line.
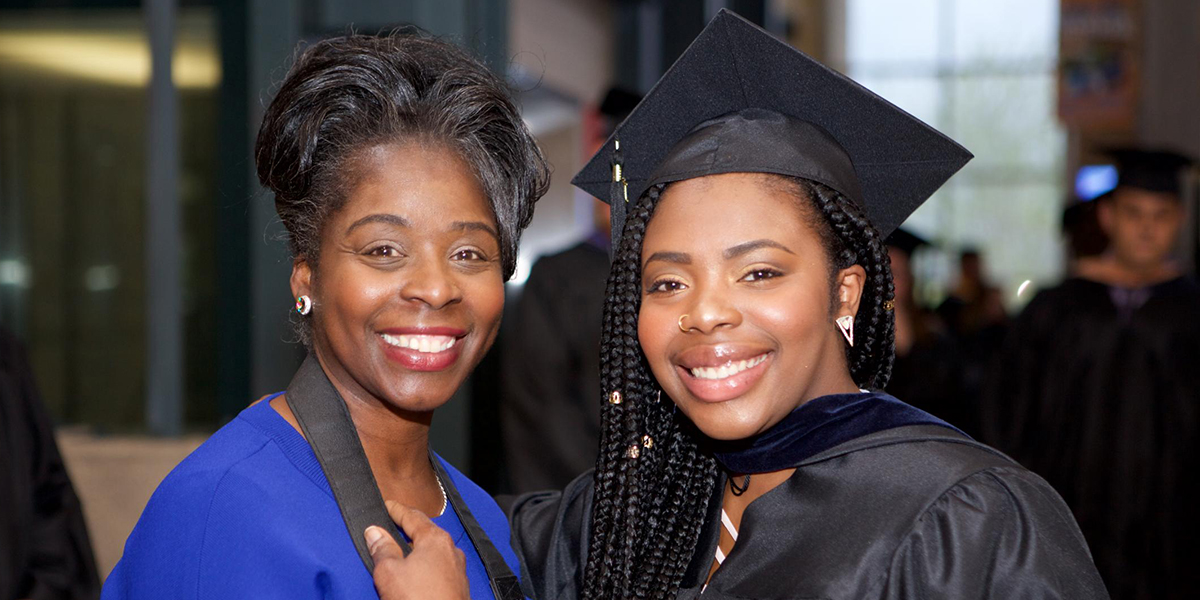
250	514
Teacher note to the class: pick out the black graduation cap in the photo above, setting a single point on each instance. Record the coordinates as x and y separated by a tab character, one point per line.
739	100
905	241
1153	170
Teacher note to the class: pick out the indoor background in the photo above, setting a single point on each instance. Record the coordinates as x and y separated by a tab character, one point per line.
145	270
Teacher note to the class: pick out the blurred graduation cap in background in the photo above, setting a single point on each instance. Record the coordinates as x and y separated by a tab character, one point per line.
618	102
905	241
1151	170
739	100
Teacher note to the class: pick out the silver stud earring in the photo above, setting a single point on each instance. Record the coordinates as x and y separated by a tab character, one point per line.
846	325
303	305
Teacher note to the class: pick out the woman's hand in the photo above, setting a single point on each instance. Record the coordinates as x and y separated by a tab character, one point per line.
435	569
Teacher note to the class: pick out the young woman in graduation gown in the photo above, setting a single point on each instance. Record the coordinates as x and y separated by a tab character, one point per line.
747	449
404	175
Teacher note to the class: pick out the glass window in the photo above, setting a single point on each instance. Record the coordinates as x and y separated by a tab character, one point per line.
1007	121
1012	30
73	104
887	30
983	73
921	96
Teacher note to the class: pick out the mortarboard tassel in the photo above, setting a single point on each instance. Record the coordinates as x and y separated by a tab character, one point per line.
618	196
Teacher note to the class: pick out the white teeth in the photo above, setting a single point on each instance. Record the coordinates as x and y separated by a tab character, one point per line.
727	370
429	344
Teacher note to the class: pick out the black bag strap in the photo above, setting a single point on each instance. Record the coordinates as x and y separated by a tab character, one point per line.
327	426
505	585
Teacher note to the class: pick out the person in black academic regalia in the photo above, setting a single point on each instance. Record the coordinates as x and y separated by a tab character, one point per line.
975	318
1098	389
44	548
927	371
551	372
550	422
746	450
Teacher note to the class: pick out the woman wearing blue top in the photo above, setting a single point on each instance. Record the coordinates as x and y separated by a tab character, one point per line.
404	176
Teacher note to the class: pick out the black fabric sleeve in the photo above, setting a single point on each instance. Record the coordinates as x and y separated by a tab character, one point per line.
59	562
1001	533
550	537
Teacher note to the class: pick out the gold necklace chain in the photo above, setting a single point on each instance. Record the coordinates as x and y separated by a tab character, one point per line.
443	489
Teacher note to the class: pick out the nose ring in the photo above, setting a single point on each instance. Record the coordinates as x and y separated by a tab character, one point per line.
680	323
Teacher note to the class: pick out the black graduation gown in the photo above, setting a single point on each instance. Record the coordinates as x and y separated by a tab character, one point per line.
913	512
1104	402
550	410
44	548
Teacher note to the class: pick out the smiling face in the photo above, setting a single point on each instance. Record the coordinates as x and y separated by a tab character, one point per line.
408	289
736	254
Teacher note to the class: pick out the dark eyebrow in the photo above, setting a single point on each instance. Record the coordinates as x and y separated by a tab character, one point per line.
390	219
741	249
672	257
476	226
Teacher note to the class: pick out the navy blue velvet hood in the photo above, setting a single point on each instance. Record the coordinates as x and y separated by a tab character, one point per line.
816	426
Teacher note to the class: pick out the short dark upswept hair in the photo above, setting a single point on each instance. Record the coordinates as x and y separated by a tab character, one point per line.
348	94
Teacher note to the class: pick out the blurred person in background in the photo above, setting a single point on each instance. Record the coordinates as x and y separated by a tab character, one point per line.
550	409
975	318
1098	389
926	371
974	304
404	175
45	553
